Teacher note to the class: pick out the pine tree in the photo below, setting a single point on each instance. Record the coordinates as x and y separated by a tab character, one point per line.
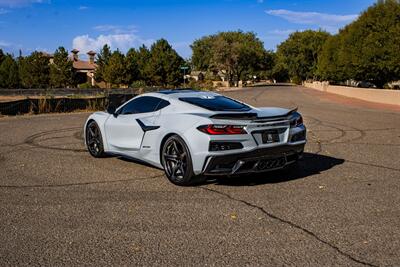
143	58
61	71
132	72
102	60
164	64
113	72
34	71
1	55
9	73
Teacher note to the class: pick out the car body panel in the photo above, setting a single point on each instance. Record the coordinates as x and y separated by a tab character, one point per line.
141	136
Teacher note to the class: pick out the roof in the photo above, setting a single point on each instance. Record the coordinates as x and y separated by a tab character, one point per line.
178	93
83	65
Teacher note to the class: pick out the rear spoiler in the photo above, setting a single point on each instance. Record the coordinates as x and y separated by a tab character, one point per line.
249	116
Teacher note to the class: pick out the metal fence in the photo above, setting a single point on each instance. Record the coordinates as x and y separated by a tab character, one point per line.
71	91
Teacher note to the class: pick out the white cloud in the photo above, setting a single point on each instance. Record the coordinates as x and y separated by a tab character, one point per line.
323	20
116	29
83	7
123	42
21	3
278	32
4	44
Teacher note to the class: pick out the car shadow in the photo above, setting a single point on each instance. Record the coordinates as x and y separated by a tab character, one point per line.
137	161
310	164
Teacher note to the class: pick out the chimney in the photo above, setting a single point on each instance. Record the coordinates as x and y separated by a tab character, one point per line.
91	55
75	54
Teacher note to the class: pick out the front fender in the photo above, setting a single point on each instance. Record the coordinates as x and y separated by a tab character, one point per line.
100	118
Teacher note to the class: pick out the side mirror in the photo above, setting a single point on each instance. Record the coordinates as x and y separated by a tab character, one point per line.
111	110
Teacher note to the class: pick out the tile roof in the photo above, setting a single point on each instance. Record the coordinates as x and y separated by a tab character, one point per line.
84	65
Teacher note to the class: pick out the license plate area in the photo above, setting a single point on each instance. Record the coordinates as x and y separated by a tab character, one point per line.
270	136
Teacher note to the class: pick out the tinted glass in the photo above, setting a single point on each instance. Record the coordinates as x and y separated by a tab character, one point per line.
162	104
141	105
217	103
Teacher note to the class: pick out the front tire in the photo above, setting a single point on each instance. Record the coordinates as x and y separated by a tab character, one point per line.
94	141
177	162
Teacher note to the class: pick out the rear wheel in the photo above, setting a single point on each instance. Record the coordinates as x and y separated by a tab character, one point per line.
94	141
177	162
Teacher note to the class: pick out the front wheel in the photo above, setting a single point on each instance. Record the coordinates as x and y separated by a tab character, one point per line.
177	162
94	141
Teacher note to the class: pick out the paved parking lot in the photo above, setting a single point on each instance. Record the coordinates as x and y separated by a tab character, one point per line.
59	206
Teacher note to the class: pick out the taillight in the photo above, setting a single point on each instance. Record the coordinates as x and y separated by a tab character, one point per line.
222	129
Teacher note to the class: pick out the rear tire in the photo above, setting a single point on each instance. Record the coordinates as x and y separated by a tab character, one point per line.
177	162
94	141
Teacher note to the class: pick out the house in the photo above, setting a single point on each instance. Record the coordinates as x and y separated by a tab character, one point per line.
84	69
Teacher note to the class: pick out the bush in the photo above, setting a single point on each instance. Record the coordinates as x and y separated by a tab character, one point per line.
87	85
201	85
297	80
138	84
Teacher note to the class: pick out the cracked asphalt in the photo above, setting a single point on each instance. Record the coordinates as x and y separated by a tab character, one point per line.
59	206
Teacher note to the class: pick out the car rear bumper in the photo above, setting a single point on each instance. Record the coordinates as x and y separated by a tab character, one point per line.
258	160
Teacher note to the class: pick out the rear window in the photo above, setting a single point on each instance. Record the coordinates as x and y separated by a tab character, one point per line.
216	103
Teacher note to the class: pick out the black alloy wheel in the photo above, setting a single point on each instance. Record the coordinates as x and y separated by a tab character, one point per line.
94	141
177	162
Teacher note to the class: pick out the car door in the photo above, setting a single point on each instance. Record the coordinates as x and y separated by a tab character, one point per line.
123	131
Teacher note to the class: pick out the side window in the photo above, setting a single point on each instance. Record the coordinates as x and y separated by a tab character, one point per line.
162	104
141	105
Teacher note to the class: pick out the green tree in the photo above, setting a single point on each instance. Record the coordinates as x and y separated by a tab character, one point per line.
132	71
372	44
9	77
1	55
113	72
299	53
34	70
367	49
143	58
238	54
329	68
102	60
61	70
164	65
279	71
264	69
203	53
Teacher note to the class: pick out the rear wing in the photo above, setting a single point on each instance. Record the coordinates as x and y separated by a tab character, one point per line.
250	116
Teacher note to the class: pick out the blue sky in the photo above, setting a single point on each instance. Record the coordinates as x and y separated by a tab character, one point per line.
88	24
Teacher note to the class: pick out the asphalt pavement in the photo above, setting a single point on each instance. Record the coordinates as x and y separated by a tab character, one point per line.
59	206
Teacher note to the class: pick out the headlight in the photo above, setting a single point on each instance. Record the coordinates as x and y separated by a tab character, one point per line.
296	120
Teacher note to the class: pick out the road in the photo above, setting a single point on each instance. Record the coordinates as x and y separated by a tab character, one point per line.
59	206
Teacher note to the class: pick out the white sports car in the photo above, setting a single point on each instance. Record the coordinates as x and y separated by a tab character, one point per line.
192	134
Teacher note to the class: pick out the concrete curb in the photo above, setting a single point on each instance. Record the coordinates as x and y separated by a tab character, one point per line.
382	96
